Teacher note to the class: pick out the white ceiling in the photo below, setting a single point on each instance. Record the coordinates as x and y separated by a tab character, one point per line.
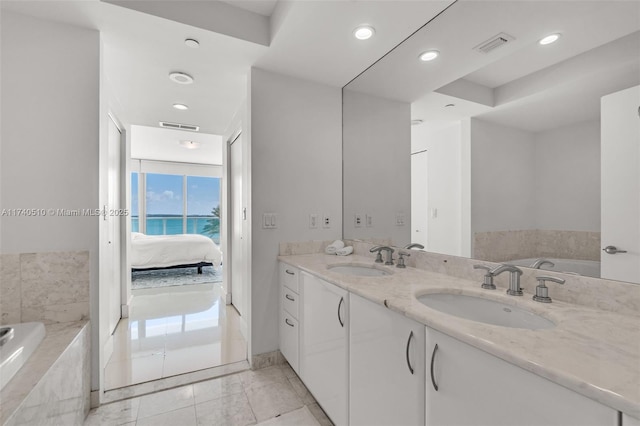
521	84
153	143
311	40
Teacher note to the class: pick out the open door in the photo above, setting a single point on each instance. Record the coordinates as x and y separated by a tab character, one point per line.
620	180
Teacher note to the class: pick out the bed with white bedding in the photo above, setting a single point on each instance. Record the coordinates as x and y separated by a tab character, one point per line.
150	252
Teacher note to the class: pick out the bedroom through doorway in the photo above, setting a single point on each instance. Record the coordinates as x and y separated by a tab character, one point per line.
178	319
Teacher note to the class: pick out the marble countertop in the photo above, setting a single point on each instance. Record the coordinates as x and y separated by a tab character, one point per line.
57	339
593	352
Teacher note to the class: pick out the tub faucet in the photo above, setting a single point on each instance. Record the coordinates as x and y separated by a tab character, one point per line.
514	278
380	249
538	263
414	245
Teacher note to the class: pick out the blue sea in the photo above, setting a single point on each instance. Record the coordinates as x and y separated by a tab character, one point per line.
167	225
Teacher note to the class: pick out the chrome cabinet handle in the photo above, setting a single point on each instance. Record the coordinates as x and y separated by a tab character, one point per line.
339	317
433	358
286	320
289	272
289	297
408	346
612	250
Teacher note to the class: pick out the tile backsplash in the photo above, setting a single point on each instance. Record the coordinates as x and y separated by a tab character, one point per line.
48	287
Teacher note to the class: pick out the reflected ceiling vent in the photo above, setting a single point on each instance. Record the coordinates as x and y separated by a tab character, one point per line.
179	126
494	42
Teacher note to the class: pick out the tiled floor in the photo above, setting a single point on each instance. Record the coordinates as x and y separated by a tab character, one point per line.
272	396
173	331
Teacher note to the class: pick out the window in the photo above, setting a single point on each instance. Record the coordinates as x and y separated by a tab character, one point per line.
176	204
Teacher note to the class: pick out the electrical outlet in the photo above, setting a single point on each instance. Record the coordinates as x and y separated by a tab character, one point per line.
326	221
357	221
313	220
368	221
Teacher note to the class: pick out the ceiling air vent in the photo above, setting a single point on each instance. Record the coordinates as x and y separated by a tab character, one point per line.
494	42
179	126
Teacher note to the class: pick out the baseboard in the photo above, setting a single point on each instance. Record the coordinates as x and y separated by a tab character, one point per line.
267	359
107	349
227	297
94	399
124	311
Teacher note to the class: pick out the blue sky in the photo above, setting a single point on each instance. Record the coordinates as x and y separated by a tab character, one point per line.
164	194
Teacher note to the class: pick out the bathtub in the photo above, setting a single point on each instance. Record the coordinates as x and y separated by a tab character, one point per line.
15	352
588	268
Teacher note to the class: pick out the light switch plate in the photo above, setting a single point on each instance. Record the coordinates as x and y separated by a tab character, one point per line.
313	220
368	221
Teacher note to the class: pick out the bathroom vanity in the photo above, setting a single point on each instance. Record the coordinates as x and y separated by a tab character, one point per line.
371	353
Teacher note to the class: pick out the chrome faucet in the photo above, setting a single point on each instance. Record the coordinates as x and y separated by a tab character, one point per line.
514	278
414	245
488	277
542	291
538	263
380	249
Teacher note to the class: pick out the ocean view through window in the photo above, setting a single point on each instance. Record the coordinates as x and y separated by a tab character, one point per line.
176	204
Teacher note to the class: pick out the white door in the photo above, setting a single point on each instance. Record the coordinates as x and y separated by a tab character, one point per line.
238	225
113	225
620	184
419	198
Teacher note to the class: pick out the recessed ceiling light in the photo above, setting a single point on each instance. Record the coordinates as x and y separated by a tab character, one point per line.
181	107
192	42
429	55
181	78
364	32
190	144
416	122
552	38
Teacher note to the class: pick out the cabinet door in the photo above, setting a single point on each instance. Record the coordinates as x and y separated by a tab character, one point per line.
386	367
289	339
476	388
323	350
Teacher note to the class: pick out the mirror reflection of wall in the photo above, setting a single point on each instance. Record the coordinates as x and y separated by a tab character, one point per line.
505	141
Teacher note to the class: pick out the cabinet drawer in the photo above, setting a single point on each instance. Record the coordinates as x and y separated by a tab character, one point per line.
289	276
289	339
289	301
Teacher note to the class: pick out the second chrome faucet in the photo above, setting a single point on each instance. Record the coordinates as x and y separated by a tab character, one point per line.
514	278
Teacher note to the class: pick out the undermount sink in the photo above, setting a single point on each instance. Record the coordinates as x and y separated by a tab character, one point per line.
485	310
358	270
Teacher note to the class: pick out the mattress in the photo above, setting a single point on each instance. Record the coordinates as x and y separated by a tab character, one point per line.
161	251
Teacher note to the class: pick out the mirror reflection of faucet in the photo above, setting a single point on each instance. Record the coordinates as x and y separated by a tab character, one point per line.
380	249
539	262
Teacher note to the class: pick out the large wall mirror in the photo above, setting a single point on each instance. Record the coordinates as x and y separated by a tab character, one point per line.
480	137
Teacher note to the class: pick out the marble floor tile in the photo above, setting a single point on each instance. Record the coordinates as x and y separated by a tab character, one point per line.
266	376
217	388
301	390
137	370
231	410
273	399
319	414
299	417
183	417
169	400
116	413
288	371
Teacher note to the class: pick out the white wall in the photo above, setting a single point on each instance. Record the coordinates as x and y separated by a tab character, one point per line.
443	143
570	155
502	178
295	142
376	156
50	127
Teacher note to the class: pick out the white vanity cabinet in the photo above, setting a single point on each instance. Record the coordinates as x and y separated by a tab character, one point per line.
476	388
386	366
289	315
324	345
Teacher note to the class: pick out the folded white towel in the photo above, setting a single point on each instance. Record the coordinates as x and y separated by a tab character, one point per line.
333	247
345	251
